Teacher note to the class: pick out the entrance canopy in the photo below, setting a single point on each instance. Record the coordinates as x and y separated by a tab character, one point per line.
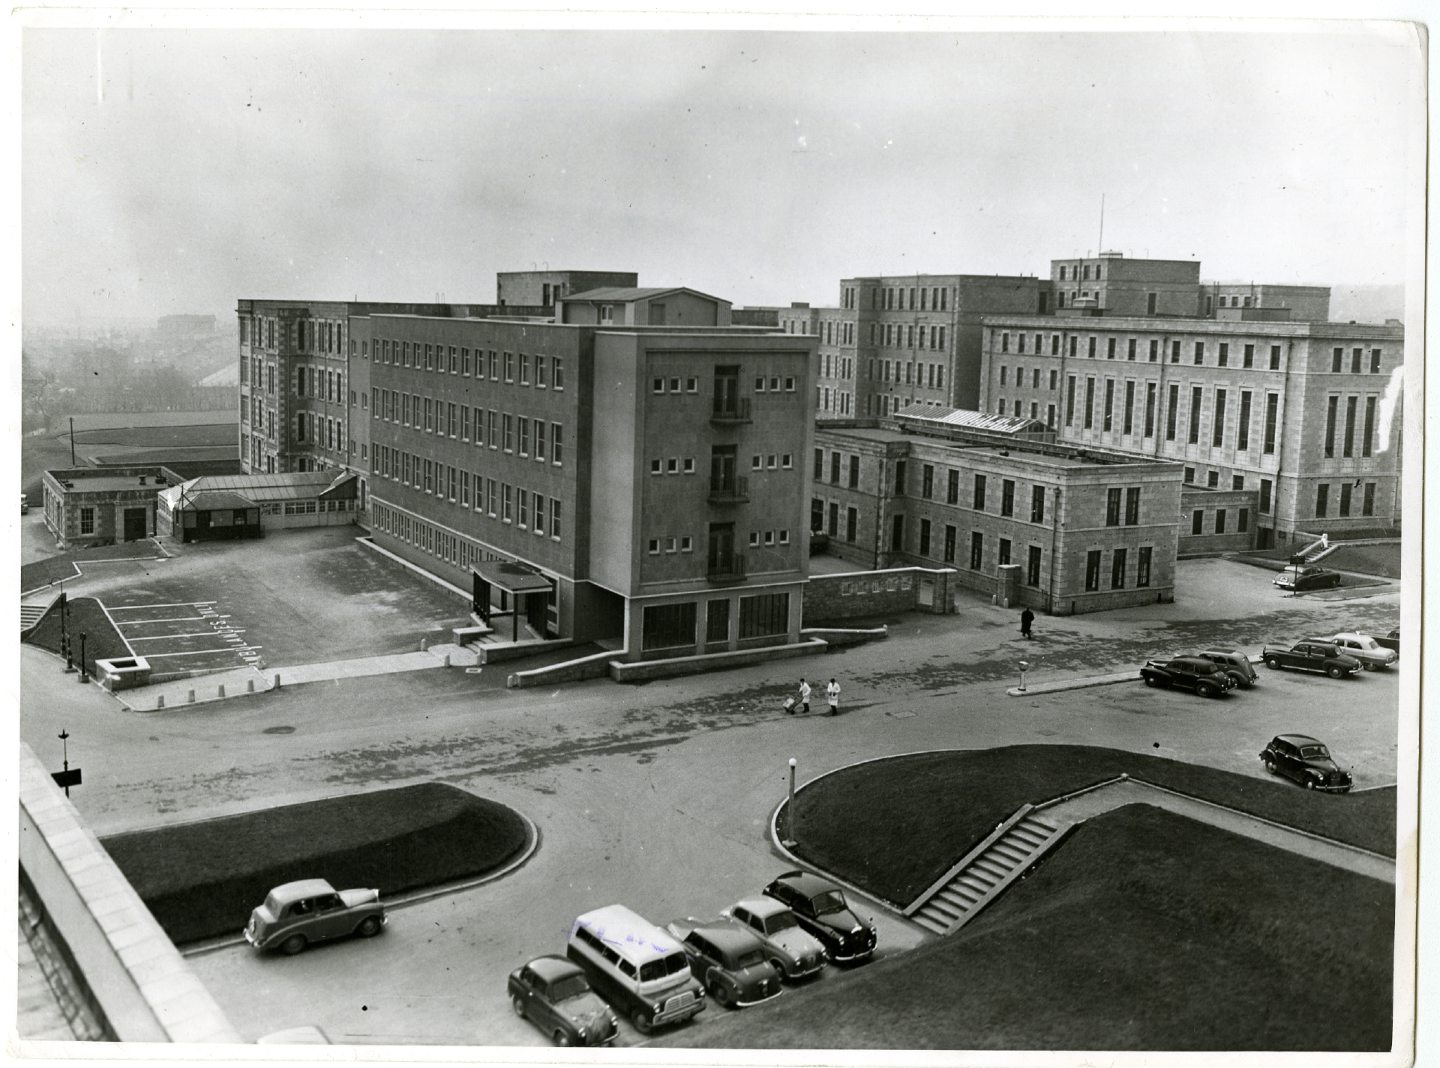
523	584
511	576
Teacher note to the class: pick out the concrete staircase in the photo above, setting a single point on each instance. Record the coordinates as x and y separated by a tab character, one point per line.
30	614
985	872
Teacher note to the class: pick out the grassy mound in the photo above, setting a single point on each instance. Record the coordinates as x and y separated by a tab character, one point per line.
87	617
202	879
1144	930
895	826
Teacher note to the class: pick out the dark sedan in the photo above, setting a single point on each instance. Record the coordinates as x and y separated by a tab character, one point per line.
1194	673
554	995
729	960
1297	579
821	908
1306	761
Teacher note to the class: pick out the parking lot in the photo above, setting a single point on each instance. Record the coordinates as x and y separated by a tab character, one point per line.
187	636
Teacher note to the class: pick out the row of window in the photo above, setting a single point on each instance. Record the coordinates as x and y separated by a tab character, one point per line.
439	542
322	431
677	465
524	508
518	434
903	335
1242	521
763	384
929	375
1193	415
673	626
1153	350
259	374
684	543
833	366
304	335
533	369
1346	499
1347	441
320	384
839	401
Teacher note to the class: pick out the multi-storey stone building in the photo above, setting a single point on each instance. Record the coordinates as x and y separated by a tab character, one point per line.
636	484
1303	414
1060	529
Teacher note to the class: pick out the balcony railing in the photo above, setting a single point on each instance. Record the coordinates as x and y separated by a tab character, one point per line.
725	567
735	410
732	490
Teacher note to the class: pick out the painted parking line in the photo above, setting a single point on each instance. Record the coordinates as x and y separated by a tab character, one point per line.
166	637
198	652
174	604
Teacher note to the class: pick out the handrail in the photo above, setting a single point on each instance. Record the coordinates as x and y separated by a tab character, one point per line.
964	862
1083	790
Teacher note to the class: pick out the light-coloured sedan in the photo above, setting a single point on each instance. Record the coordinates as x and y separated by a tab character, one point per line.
795	952
1372	655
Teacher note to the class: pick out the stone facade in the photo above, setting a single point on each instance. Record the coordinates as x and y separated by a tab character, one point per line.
88	506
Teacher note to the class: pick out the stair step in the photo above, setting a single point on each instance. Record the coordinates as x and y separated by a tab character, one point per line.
969	880
933	926
934	907
1013	852
1041	823
996	867
957	898
1033	835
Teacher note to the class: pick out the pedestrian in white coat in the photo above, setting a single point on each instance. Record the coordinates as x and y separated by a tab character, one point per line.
832	697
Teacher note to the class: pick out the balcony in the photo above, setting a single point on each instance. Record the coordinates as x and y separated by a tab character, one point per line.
732	490
725	567
731	412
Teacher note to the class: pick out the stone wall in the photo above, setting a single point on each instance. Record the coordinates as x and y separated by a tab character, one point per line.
873	593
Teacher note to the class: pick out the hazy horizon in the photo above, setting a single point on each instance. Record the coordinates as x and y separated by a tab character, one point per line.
176	171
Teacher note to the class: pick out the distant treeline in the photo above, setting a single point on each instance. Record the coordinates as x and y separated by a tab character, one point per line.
186	399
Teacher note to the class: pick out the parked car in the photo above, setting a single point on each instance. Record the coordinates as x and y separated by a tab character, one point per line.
1312	656
1188	673
794	952
636	966
728	960
1372	655
821	908
1391	640
1307	761
554	995
1307	578
311	910
1234	663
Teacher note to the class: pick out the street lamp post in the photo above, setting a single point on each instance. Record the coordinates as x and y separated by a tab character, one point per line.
1024	667
84	672
790	821
65	632
65	752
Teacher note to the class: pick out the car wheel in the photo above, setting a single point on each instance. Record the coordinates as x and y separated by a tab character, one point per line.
561	1038
1335	671
1270	766
369	927
518	1004
1365	665
641	1022
721	993
1204	689
779	968
1149	680
1309	784
292	945
1272	663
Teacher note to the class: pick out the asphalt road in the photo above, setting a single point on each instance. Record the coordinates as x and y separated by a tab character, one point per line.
658	796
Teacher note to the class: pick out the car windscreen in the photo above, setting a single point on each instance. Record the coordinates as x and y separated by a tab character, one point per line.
570	987
829	901
750	959
659	969
781	921
1314	752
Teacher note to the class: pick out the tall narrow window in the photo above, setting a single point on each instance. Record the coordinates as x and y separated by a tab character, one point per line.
1350	403
1368	432
1129	426
1272	408
1332	408
1149	409
1197	405
1322	500
1217	436
1171	408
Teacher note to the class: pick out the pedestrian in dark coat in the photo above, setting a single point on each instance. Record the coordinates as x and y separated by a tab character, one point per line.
1027	617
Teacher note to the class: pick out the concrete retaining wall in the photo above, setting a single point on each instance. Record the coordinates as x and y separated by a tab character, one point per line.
136	981
873	593
694	665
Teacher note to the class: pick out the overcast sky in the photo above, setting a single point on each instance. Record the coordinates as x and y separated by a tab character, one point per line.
170	171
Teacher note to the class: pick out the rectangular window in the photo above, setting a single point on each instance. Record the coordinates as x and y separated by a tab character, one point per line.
1197	405
1197	521
1089	403
855	472
1223	357
1007	497
508	422
1332	409
924	537
1003	553
1367	504
949	550
1142	567
1112	508
1154	349
1350	403
1265	486
1117	569
1249	356
1037	504
979	496
524	426
927	481
977	550
1109	403
1345	492
1274	357
1368	433
555	518
1242	429
1130	349
557	443
1171	409
1272	409
1217	433
1129	425
1174	352
1032	566
764	615
1110	348
1322	500
1242	520
1132	506
1220	521
1355	355
1070	401
1374	361
1092	570
87	520
1149	409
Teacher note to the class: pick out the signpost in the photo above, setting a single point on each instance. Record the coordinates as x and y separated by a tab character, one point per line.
66	778
789	840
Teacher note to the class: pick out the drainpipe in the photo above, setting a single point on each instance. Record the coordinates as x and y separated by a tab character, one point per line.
879	511
1054	529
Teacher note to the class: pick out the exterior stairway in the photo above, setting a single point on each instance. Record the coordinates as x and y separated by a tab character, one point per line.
30	614
981	876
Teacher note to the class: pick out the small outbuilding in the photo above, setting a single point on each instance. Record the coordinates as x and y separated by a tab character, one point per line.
207	515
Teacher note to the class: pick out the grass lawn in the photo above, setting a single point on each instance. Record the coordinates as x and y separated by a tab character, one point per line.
1383	560
894	826
1143	931
102	640
202	879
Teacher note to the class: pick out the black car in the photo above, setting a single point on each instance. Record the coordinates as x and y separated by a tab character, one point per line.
1390	641
1311	656
821	908
1307	761
1204	677
729	960
1296	579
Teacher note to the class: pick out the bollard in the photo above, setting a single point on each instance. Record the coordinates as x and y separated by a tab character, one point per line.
222	689
277	680
191	697
159	701
447	659
249	685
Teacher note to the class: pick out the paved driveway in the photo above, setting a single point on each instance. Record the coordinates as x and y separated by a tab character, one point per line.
658	796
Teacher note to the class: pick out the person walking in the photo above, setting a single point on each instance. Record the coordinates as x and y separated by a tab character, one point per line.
1027	617
832	697
804	703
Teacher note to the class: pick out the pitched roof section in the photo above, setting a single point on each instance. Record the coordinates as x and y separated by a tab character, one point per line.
624	295
931	412
270	487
